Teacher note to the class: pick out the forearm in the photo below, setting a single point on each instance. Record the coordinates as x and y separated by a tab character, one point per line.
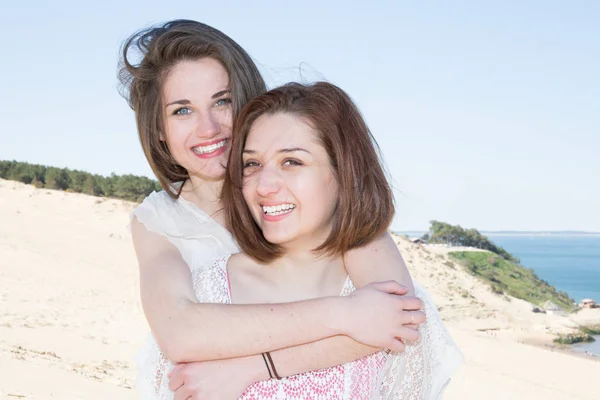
201	332
296	360
324	353
187	330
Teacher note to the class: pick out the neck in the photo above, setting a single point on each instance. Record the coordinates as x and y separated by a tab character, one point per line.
302	259
205	194
306	263
302	246
302	275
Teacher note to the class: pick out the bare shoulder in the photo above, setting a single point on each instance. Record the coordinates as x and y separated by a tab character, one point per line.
149	245
377	261
241	261
141	235
244	272
138	229
245	276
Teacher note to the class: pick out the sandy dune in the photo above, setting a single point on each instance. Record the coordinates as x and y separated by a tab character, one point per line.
70	319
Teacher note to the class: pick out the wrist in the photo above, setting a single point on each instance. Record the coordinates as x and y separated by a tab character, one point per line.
338	315
259	371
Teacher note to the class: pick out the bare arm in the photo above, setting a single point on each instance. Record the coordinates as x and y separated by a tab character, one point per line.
378	261
189	331
322	354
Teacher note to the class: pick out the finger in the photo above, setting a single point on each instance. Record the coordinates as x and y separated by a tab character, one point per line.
412	317
411	303
176	381
417	318
391	287
397	346
175	369
408	334
182	394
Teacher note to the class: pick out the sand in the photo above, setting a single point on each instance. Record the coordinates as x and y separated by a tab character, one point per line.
71	321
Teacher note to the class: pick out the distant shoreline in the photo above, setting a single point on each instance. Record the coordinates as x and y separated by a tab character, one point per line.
544	234
516	233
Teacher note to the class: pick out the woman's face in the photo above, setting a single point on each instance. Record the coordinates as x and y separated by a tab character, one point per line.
289	185
197	115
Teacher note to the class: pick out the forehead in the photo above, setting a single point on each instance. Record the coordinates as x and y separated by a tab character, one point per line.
189	79
281	130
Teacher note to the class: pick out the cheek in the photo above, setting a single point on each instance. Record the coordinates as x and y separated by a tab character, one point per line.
248	190
225	119
176	133
329	194
315	190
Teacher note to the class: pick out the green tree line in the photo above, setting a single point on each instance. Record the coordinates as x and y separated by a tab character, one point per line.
126	187
454	235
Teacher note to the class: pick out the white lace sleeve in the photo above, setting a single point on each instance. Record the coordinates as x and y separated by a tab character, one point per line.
424	369
152	370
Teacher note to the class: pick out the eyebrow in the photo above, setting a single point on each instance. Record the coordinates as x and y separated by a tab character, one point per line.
221	93
181	102
185	102
290	150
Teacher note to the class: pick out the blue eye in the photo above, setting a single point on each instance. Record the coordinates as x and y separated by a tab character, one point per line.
182	111
223	102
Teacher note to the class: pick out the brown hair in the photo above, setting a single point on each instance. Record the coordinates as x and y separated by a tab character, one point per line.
365	207
161	48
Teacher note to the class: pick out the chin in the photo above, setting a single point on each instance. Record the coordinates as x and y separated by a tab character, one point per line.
277	239
211	172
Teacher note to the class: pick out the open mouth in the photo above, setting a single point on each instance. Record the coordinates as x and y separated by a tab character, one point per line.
211	148
278	209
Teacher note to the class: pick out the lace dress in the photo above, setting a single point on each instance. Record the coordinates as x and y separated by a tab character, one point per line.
421	372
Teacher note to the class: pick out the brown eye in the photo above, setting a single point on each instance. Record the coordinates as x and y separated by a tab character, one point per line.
250	164
291	162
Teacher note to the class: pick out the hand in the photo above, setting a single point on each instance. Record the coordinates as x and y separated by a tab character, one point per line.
380	315
218	379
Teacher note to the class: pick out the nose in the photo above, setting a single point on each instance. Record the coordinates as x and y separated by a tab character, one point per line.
208	125
268	182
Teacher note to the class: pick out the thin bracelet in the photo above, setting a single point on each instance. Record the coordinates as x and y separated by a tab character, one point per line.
272	366
267	364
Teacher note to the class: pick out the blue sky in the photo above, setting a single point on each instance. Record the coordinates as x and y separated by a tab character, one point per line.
488	114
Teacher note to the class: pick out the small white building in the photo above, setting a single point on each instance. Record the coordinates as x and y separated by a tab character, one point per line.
588	303
552	308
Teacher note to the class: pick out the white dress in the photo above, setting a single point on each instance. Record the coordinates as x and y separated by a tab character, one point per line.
421	372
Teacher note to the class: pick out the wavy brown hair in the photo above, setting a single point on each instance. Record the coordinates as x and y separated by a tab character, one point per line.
365	206
161	48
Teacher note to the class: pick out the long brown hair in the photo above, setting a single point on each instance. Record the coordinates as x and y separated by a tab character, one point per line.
161	48
365	206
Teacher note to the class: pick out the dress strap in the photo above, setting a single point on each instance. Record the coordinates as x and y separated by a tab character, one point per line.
348	287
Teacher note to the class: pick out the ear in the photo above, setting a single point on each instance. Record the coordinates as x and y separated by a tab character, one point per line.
161	137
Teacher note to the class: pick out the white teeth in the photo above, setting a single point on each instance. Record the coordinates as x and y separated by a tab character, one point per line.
278	209
209	149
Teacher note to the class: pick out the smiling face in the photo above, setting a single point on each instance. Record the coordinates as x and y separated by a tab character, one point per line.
289	185
197	117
